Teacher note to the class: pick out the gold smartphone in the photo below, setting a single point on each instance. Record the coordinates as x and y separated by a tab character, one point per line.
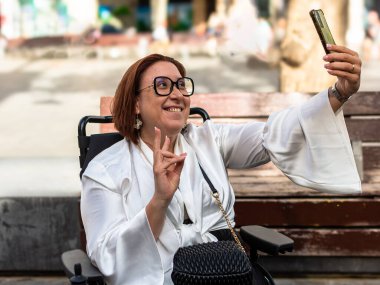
322	28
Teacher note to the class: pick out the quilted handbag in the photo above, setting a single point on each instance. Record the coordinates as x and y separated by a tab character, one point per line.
221	262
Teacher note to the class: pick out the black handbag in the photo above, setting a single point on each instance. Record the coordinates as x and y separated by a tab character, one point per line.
221	262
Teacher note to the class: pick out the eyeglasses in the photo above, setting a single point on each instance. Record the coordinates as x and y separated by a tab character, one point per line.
163	86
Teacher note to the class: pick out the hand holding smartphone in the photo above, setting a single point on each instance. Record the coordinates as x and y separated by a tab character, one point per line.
322	28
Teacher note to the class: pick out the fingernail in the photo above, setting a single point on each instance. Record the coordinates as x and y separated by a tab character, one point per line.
325	57
184	154
328	46
326	65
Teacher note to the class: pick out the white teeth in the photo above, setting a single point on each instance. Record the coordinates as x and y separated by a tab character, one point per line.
172	109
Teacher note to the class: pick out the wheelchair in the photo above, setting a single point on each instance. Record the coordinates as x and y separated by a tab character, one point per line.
77	265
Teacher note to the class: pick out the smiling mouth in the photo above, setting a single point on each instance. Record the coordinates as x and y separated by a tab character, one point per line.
173	109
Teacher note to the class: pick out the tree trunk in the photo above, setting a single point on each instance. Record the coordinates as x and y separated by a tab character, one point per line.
355	23
199	16
159	14
302	68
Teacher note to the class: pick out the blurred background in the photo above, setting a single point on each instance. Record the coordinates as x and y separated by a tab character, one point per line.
254	27
58	57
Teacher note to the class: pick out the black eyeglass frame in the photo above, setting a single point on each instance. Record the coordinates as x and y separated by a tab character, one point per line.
171	86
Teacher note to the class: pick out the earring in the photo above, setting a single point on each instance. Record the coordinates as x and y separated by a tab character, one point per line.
138	123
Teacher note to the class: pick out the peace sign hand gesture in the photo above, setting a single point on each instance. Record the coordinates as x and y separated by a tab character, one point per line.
167	168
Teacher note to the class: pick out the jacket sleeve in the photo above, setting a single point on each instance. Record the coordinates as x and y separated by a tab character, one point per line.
241	145
310	144
117	244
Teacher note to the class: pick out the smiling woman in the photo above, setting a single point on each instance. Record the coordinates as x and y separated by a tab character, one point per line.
136	82
145	196
164	106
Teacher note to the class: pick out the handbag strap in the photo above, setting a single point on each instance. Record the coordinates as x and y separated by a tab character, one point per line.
215	194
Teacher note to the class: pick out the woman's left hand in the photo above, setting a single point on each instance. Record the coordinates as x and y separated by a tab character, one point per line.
346	65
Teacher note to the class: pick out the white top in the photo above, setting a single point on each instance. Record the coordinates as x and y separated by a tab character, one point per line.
309	143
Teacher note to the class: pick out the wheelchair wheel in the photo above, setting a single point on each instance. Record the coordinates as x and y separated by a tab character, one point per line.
261	276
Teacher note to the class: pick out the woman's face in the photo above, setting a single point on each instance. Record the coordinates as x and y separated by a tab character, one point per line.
168	113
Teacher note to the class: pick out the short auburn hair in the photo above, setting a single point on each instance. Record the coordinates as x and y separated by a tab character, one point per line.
125	99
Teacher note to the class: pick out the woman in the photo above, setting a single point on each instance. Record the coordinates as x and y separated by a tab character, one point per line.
138	193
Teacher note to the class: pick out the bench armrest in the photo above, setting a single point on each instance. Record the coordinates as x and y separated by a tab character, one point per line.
72	257
266	240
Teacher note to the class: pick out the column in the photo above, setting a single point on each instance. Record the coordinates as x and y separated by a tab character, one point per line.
355	31
159	17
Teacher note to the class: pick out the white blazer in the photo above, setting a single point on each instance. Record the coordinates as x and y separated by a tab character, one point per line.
308	143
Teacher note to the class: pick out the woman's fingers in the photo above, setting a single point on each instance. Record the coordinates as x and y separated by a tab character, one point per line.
157	151
167	154
345	70
173	161
163	158
344	66
157	141
343	62
342	57
341	49
166	145
343	74
342	54
178	167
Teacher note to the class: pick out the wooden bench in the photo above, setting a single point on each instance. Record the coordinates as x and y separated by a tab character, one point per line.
332	233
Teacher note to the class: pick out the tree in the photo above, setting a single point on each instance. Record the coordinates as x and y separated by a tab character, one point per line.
301	64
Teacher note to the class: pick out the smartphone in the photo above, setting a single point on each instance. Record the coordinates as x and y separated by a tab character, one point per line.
322	28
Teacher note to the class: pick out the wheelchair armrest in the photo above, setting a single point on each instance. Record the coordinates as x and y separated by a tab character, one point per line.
266	240
72	257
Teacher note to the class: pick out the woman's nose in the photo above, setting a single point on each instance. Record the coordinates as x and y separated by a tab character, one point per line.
175	92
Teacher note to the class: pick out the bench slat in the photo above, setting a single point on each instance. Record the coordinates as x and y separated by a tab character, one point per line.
334	242
283	189
262	104
363	103
308	212
365	130
246	104
371	157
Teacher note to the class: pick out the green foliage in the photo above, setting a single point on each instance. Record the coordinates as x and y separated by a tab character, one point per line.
143	27
121	11
26	2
